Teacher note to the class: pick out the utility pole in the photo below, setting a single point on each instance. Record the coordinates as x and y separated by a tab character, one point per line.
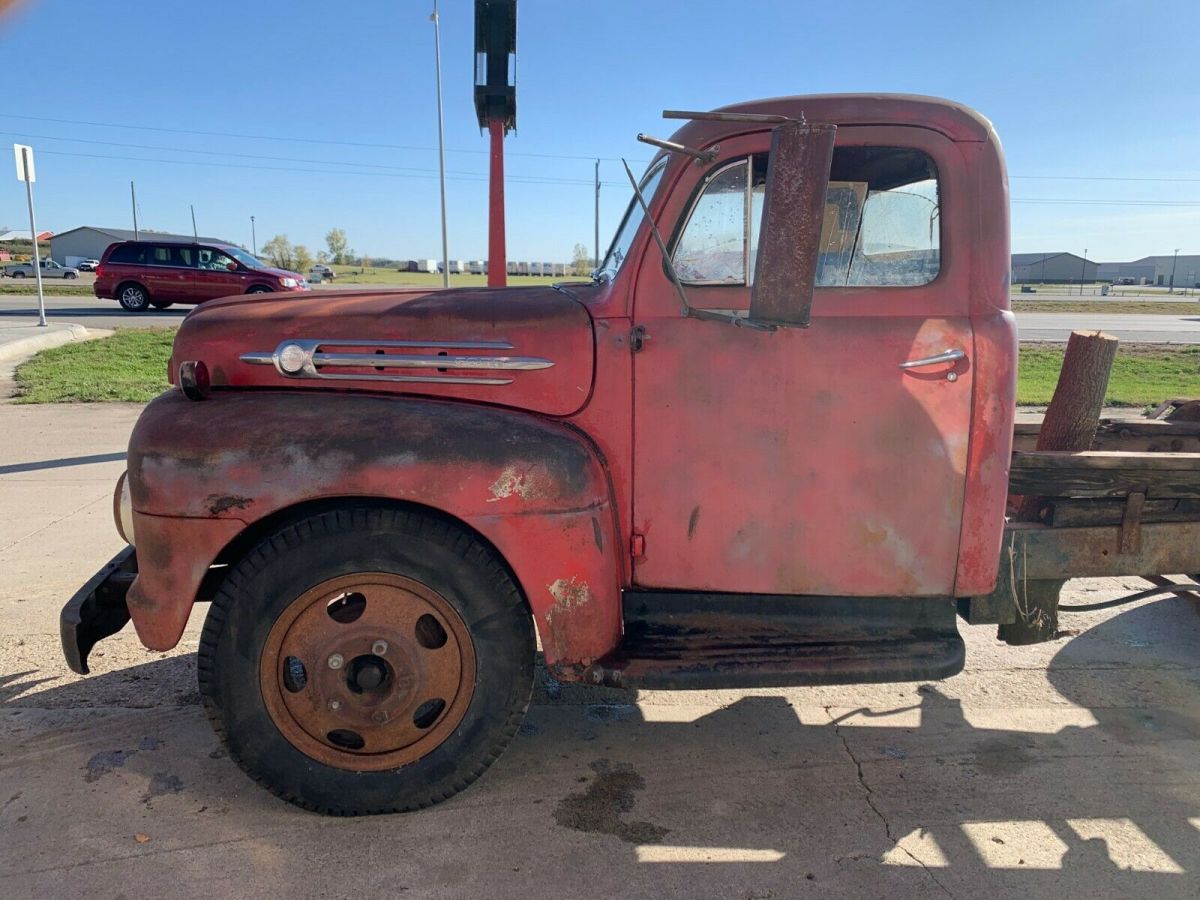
195	236
437	55
1083	272
596	262
133	200
253	239
1174	260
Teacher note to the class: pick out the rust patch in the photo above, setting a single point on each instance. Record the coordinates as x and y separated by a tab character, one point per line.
222	503
569	593
693	521
600	809
526	485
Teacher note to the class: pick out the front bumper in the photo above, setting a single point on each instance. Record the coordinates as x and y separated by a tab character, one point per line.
97	610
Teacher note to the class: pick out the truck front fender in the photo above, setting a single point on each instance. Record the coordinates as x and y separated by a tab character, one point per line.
200	473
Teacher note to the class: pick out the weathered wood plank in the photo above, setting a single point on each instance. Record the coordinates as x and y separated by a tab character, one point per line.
1101	473
1133	435
1055	553
1074	513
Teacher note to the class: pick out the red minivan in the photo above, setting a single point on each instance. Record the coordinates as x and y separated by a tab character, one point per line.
140	274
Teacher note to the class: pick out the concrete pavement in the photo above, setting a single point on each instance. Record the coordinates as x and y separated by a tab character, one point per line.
1070	769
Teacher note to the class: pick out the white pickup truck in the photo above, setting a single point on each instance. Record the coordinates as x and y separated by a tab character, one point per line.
50	269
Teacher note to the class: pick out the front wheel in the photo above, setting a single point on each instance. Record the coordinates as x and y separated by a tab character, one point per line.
259	289
367	660
70	276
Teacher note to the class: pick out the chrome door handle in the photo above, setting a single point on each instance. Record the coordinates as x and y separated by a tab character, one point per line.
944	357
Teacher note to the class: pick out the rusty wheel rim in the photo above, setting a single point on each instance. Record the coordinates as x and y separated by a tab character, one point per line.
368	672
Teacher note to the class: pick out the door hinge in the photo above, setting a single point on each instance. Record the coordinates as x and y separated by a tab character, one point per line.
638	338
637	545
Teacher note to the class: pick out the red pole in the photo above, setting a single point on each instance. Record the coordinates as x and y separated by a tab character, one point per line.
497	254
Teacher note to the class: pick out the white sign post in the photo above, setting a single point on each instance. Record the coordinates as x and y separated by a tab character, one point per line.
26	173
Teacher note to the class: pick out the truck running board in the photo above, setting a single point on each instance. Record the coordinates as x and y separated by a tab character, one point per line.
677	640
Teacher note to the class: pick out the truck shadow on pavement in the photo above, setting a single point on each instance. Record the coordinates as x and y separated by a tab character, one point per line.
931	787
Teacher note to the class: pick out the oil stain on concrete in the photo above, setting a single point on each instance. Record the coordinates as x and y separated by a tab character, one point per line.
601	808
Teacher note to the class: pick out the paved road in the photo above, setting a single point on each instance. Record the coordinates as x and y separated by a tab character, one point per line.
95	313
1129	328
1070	769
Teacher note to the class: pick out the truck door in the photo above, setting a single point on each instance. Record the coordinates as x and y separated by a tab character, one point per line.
828	460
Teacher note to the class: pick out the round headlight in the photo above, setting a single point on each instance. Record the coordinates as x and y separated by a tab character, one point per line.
292	359
123	509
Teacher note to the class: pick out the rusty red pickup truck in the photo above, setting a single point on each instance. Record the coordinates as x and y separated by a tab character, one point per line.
769	443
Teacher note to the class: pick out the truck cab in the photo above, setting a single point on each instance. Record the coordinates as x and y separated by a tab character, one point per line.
767	444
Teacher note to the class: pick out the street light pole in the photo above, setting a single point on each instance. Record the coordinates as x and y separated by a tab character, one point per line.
1174	260
253	238
596	262
437	51
1083	272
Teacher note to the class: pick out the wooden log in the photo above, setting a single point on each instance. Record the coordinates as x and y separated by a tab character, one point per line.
1070	424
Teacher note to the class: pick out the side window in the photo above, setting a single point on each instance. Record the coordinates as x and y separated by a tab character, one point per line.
882	223
213	260
712	248
160	256
129	254
184	256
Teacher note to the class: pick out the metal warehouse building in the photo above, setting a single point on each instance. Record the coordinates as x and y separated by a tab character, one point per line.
1050	268
89	242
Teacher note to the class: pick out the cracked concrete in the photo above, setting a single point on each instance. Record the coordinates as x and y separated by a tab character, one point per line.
1070	769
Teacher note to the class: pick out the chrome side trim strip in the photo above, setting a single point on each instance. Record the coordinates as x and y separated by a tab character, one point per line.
412	361
303	358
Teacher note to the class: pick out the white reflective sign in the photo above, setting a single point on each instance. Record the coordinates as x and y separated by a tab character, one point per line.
24	157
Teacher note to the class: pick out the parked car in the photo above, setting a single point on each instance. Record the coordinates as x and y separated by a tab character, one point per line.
140	274
321	272
88	265
50	269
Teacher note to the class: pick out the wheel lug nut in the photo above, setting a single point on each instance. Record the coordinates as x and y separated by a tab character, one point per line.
335	661
335	705
379	717
379	648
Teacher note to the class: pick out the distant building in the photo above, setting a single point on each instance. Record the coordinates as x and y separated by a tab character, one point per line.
23	235
1186	269
1051	268
1126	273
89	242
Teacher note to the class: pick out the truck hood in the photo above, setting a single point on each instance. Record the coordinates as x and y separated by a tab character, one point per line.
530	348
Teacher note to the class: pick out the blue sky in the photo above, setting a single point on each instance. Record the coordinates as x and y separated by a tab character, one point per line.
1096	90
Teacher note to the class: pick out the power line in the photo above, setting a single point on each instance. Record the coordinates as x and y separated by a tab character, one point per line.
290	139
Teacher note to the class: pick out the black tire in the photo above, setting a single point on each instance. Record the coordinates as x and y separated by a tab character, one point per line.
70	276
133	297
259	289
18	274
161	304
433	551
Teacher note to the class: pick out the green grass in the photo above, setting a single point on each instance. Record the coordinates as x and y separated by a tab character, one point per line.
50	287
1126	307
129	366
1141	375
352	275
132	364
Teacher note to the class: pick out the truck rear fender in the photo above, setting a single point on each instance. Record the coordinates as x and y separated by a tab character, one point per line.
533	489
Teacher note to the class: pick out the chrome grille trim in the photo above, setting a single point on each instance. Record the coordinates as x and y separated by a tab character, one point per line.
306	359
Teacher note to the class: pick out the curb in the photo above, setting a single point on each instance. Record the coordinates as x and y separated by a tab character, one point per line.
63	333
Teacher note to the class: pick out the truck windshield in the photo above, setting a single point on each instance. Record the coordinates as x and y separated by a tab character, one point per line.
629	224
